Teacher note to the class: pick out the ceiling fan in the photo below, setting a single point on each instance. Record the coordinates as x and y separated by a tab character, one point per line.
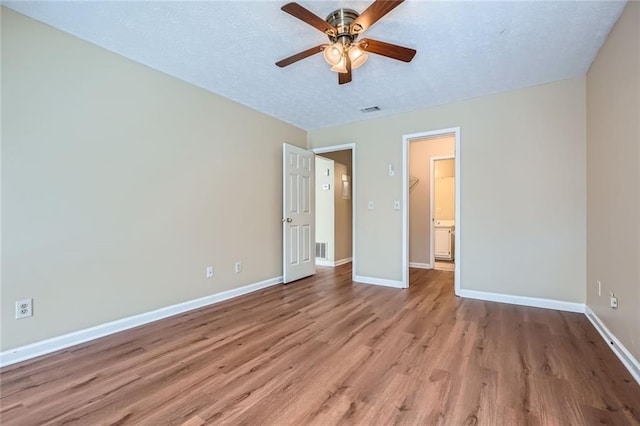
343	26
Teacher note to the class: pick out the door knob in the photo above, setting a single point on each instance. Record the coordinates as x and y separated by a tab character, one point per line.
288	220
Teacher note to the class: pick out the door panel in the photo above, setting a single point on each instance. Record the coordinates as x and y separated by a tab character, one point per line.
306	243
298	213
293	245
293	204
442	246
306	197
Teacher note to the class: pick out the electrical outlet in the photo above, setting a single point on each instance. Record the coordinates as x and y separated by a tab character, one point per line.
238	267
24	308
614	301
209	271
599	288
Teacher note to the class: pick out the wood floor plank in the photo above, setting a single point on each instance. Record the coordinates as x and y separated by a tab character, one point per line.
324	351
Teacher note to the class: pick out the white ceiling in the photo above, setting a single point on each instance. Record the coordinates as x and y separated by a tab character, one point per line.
465	49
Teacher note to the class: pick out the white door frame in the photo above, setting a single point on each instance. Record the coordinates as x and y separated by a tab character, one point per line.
406	139
352	147
432	227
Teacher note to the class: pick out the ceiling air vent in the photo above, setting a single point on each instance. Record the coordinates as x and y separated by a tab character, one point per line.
370	109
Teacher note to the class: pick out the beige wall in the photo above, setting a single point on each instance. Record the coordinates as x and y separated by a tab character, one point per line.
325	207
343	207
342	157
527	146
613	179
120	185
444	188
420	154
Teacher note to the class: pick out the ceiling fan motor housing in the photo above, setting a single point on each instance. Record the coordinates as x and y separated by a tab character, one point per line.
342	19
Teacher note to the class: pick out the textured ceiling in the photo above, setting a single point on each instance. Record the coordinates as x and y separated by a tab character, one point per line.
465	49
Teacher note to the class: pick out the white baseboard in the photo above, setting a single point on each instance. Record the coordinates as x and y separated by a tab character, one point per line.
616	346
420	265
342	261
378	281
535	302
23	353
322	262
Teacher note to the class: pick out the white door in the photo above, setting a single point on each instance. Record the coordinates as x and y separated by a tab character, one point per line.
298	217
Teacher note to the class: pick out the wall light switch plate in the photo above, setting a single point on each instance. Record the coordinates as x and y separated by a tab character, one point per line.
370	205
614	302
396	205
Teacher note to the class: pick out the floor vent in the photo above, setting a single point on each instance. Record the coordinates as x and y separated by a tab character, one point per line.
321	250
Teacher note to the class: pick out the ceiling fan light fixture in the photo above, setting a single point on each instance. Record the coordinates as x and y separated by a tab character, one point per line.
340	67
357	56
345	52
333	53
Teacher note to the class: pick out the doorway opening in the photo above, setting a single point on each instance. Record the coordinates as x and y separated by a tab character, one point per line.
335	205
442	211
431	197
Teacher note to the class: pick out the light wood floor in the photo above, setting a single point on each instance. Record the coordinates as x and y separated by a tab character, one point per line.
325	351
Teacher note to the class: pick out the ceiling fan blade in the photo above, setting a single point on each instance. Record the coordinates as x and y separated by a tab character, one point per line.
389	50
294	9
372	14
345	77
299	56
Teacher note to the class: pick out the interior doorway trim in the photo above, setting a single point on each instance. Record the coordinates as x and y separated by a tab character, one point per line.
406	140
343	147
